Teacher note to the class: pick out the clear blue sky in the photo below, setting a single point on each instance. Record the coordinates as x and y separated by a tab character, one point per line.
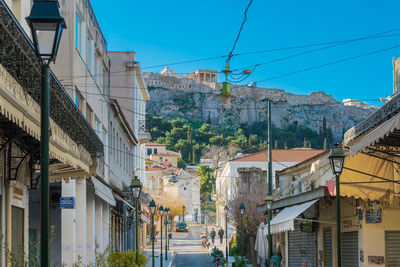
162	32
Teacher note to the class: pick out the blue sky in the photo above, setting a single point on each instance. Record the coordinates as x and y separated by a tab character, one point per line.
163	32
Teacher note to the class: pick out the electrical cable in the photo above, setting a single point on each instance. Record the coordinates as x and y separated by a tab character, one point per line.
329	63
230	55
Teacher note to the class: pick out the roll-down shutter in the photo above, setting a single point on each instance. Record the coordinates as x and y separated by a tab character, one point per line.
349	249
392	243
328	247
302	248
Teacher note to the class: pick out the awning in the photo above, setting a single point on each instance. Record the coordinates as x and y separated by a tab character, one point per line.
126	202
368	177
284	221
375	135
145	219
103	191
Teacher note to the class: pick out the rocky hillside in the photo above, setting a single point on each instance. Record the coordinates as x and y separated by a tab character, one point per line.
182	99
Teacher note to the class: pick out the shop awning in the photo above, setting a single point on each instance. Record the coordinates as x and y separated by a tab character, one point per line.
284	221
145	219
103	191
368	176
375	135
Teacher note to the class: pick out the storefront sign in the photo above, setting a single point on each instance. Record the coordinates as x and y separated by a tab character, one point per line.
67	202
350	224
373	216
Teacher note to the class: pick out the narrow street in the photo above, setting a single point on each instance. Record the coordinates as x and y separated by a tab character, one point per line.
189	251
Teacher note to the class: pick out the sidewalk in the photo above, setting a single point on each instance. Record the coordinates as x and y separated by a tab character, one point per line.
148	254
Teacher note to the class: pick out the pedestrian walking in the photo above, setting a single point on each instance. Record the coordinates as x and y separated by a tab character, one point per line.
212	235
221	235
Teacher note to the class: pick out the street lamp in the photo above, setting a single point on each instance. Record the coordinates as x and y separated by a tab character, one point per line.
161	210
152	211
166	232
183	213
46	26
336	159
226	232
136	188
242	209
268	203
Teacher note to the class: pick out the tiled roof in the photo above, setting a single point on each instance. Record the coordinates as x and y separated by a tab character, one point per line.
282	155
153	169
154	144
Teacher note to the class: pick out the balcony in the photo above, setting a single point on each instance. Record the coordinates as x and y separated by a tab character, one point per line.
143	135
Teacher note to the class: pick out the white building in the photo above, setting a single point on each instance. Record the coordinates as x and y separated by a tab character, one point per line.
229	176
185	186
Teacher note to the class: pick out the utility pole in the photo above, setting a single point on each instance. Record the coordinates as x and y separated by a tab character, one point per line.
269	182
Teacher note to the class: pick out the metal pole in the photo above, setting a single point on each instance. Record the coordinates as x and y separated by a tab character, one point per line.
152	239
169	230
339	245
183	214
226	236
161	255
44	167
242	237
269	180
166	238
137	230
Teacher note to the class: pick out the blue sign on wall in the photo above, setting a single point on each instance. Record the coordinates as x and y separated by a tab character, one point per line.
373	216
67	202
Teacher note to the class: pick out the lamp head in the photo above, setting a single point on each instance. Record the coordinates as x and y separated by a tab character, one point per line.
336	159
152	207
242	208
46	25
161	210
136	187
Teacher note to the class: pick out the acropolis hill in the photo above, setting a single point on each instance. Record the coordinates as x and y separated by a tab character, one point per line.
193	98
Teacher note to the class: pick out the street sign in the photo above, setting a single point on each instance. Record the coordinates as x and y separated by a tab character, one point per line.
373	216
67	202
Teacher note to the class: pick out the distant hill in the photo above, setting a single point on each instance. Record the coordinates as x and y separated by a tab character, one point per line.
178	97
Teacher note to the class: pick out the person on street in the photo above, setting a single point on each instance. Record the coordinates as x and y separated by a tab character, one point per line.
212	235
221	235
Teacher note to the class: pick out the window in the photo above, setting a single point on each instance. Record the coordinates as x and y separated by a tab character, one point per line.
124	157
117	148
79	33
149	151
120	152
79	100
90	53
98	128
89	116
111	138
155	151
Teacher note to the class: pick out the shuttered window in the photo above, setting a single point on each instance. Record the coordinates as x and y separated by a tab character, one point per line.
350	249
392	248
328	247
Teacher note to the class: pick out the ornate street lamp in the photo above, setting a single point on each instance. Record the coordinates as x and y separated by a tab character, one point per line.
268	203
161	210
46	26
166	232
242	209
136	188
183	213
153	236
336	158
226	233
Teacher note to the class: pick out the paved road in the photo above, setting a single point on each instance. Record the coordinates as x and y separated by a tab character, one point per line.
189	251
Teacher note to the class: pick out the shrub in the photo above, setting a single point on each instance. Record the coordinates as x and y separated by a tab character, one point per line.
126	259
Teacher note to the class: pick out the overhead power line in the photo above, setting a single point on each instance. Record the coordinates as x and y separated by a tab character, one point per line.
328	64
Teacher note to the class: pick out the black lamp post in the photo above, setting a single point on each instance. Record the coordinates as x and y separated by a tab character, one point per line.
46	26
161	210
242	209
152	211
226	233
136	188
336	159
268	203
166	232
183	213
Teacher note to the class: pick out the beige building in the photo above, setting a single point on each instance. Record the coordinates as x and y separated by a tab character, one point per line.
160	156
